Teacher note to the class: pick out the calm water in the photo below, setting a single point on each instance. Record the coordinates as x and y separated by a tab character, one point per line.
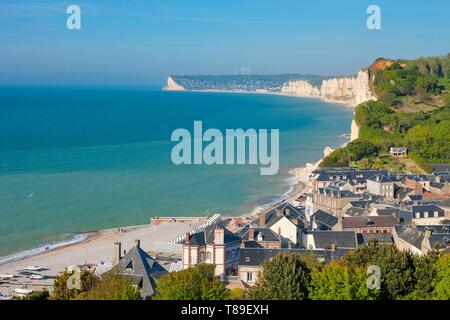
78	159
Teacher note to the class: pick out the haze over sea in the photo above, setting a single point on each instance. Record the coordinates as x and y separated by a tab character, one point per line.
76	159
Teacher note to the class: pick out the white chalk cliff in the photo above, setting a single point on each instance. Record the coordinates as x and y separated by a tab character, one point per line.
300	88
172	85
349	90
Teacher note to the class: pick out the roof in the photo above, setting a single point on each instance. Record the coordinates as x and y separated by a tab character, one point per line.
382	178
444	203
368	222
266	234
336	193
425	208
410	235
440	168
206	236
142	270
382	238
257	256
341	239
388	211
355	212
324	219
285	210
332	174
360	203
415	197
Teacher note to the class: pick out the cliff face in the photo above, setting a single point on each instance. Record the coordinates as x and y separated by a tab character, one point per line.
172	85
349	90
300	88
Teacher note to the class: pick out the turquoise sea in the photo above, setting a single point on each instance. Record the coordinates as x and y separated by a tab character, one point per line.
80	159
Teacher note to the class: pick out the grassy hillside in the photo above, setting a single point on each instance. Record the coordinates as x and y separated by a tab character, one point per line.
413	111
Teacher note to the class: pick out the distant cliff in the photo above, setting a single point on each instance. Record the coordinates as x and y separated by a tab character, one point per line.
172	85
349	90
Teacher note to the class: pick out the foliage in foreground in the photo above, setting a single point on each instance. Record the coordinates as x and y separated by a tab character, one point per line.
197	283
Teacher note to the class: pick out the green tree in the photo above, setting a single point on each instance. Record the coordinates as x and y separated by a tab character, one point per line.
285	277
37	295
338	281
397	268
196	283
441	282
111	286
61	290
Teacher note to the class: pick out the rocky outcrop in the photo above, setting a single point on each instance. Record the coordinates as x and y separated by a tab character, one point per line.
348	90
172	85
354	134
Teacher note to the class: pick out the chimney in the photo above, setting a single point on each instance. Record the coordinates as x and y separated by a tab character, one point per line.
278	212
137	243
251	234
219	235
186	237
427	233
262	219
333	246
117	252
287	211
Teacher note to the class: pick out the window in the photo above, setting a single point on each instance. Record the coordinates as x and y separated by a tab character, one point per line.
425	214
417	215
436	214
202	256
249	276
208	256
247	259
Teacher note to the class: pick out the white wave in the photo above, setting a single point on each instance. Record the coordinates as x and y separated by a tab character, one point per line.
49	247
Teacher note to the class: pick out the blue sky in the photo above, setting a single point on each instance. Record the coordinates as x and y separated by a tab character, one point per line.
140	42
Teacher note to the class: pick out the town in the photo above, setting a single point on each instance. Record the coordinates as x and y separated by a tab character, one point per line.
336	212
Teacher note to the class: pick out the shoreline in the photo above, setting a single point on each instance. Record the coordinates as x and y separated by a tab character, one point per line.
296	189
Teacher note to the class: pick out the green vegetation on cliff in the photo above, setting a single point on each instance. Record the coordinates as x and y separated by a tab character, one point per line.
412	110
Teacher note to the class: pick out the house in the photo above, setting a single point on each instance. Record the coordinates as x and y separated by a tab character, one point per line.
418	183
381	185
314	240
215	244
251	260
375	224
357	208
384	211
322	220
445	205
286	221
427	214
332	200
421	240
323	177
413	199
399	152
440	188
140	268
259	238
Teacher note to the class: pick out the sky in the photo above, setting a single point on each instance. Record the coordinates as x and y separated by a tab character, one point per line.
142	41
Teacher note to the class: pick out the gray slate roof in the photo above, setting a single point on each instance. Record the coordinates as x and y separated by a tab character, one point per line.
267	234
257	256
342	239
142	269
324	219
206	236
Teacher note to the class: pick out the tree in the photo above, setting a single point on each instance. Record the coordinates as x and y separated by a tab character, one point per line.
397	268
441	282
196	283
61	290
338	281
112	286
285	277
37	295
424	274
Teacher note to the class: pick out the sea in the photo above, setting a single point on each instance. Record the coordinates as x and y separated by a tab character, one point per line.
78	159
